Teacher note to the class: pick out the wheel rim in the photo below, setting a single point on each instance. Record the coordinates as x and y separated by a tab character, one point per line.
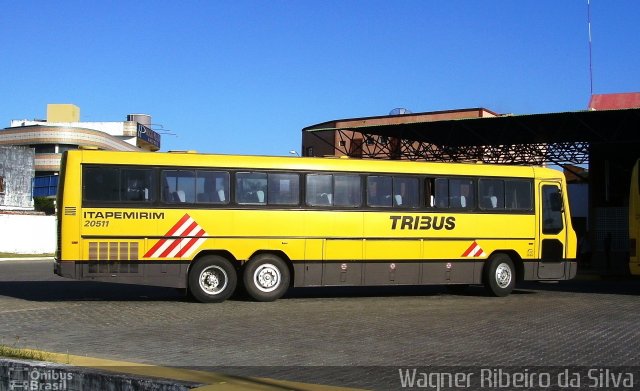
503	275
213	280
267	277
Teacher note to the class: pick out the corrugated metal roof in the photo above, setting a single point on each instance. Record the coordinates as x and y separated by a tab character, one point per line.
628	100
584	126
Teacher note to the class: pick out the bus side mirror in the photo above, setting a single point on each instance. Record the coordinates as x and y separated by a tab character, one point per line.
555	200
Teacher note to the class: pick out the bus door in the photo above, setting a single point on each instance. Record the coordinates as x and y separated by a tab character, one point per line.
552	232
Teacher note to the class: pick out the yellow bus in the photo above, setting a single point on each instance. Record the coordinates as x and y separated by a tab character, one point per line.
207	222
634	220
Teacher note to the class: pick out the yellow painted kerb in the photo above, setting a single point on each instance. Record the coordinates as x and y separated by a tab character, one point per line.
210	380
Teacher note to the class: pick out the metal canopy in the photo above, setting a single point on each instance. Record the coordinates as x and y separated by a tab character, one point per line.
556	138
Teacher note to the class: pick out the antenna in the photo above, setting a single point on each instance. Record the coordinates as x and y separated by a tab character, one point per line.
590	51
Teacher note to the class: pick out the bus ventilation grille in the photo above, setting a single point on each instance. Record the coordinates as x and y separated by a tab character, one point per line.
107	253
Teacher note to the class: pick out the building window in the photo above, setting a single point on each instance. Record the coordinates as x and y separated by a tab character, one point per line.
1	184
44	148
66	147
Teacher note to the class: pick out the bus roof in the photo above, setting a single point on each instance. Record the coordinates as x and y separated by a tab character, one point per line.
308	164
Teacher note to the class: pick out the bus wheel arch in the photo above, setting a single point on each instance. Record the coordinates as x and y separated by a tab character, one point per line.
212	277
222	253
280	254
500	273
267	275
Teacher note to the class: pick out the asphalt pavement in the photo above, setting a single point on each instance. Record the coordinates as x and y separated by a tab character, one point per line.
357	337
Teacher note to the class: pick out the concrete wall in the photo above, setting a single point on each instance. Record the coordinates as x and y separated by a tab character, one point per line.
27	234
16	168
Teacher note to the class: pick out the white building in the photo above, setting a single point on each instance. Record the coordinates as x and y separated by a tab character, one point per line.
63	130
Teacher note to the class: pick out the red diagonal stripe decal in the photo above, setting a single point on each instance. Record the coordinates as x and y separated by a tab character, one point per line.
190	243
175	243
470	249
169	233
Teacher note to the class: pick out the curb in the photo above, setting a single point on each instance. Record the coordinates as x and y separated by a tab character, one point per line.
27	259
96	373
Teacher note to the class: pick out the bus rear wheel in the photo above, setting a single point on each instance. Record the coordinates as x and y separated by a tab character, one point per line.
266	277
499	275
212	279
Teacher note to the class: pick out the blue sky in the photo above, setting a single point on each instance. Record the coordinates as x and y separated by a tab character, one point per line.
246	76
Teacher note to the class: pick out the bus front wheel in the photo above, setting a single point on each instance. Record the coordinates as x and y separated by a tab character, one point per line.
499	275
266	277
212	279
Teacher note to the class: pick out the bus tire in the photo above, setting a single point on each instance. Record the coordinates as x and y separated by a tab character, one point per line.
266	277
212	279
499	275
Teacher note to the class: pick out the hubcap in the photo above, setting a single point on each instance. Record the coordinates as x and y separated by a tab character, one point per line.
267	277
503	275
213	280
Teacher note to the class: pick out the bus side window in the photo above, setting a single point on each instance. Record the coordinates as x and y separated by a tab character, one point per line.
251	188
137	185
379	189
441	193
319	189
208	195
406	192
429	198
101	184
284	189
491	193
347	190
212	187
115	184
461	193
518	195
179	186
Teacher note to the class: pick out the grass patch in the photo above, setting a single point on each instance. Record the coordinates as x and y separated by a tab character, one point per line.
28	354
12	255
